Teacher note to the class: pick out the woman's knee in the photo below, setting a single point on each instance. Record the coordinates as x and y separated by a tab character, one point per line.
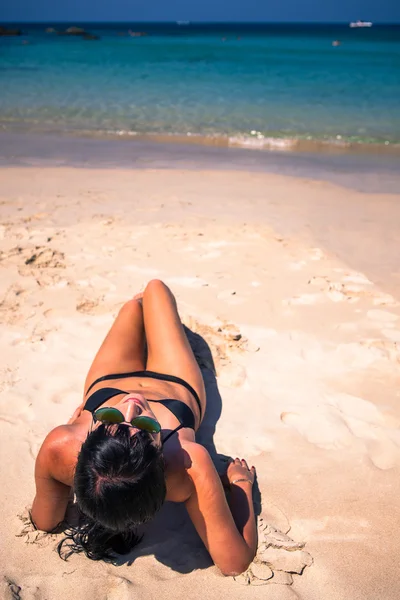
158	288
132	307
156	285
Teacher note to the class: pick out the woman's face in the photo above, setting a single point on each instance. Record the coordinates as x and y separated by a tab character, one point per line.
135	405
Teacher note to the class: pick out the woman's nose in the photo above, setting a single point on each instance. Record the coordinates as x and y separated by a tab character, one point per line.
131	410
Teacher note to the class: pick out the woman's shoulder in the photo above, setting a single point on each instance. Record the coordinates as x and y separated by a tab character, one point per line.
191	460
59	437
58	451
196	457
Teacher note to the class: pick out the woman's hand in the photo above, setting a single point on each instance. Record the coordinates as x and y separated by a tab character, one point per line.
238	471
76	414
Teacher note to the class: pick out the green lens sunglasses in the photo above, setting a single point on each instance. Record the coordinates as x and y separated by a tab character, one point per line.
113	416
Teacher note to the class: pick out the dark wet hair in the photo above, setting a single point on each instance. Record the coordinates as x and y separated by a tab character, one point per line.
119	484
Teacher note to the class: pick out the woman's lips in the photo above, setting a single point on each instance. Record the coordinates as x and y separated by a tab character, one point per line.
135	398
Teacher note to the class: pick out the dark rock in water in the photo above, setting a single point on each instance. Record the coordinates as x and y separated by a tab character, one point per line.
78	31
5	31
75	31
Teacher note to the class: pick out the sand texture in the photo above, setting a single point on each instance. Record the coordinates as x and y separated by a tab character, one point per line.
292	285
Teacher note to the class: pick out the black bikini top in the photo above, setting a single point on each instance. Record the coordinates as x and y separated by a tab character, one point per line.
178	408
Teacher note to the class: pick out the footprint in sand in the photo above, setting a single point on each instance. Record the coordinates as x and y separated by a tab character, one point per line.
10	304
8	378
382	316
303	299
232	375
357	278
316	254
385	300
357	355
350	289
297	265
324	427
119	588
383	453
357	408
343	421
92	307
389	349
393	335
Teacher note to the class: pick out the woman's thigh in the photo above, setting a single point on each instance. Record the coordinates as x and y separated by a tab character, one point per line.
123	349
169	350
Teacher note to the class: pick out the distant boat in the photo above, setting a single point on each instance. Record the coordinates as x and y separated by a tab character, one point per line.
183	22
361	24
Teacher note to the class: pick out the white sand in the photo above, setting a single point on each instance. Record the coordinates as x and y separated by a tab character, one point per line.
310	392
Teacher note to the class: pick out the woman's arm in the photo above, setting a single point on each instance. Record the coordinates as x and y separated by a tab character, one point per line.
240	500
230	537
53	478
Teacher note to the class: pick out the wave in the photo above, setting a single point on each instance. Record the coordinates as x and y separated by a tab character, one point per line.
254	140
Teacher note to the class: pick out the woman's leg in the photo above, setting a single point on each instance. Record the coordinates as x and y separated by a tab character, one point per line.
168	348
123	348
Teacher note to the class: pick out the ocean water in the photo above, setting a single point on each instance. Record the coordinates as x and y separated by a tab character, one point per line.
259	86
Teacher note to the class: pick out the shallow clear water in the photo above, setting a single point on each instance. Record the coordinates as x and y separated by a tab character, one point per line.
248	83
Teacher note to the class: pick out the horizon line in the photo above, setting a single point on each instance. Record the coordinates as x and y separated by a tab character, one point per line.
193	22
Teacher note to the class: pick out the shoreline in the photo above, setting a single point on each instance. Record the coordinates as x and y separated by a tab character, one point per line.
255	140
368	172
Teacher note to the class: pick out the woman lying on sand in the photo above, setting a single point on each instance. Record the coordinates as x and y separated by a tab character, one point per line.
126	451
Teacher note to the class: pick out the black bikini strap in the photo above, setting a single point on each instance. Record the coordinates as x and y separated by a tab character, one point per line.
172	433
174	379
181	411
98	398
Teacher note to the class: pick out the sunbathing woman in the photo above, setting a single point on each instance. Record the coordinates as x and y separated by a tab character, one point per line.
131	445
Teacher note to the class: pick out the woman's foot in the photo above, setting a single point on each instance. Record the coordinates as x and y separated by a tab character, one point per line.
139	297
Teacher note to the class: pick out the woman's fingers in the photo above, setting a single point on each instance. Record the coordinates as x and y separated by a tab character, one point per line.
75	415
242	462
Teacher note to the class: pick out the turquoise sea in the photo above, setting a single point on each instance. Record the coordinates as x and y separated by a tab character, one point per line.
261	86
